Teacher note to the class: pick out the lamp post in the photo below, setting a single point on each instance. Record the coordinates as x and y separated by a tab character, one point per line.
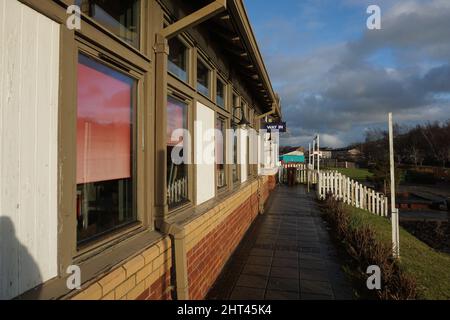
394	210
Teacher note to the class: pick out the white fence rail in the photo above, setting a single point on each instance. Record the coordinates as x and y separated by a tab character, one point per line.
351	192
177	192
339	186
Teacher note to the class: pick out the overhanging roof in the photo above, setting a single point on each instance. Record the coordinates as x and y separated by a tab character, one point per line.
235	28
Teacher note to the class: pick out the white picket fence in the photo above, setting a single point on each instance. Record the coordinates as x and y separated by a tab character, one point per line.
302	174
340	186
351	192
177	192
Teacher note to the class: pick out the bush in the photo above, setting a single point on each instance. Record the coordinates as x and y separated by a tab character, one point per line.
365	249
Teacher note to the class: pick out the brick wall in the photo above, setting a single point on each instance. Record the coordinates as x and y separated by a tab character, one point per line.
215	236
145	277
210	240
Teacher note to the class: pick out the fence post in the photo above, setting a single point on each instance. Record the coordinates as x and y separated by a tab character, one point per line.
374	202
378	204
319	193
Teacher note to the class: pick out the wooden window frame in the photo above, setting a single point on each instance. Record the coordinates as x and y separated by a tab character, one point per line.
175	93
236	119
218	79
211	77
189	68
220	190
143	217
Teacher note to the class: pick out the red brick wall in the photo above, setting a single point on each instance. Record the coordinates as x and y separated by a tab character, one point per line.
160	290
207	259
272	182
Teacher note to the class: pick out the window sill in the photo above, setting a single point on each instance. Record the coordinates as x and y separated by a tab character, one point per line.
95	266
184	217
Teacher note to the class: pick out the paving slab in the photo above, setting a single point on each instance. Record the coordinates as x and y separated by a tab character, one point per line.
286	255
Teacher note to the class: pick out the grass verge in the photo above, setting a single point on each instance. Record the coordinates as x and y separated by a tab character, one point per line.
356	174
430	268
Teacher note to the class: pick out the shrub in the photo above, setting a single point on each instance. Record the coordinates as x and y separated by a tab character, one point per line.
365	249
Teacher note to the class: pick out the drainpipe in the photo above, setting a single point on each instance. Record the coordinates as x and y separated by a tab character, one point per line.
161	62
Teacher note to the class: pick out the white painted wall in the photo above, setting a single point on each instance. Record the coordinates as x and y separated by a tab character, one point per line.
242	145
204	154
29	62
260	143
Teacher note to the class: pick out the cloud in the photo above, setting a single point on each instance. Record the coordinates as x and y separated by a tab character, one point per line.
340	89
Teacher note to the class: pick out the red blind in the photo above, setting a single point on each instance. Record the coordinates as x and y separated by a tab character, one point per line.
176	114
103	125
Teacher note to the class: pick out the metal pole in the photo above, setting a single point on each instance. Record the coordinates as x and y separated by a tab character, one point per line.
313	157
394	210
318	154
309	167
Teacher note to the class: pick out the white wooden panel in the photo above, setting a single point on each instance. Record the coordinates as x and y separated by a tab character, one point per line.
259	153
206	169
243	154
29	72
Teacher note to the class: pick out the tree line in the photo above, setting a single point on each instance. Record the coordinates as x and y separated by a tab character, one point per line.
426	144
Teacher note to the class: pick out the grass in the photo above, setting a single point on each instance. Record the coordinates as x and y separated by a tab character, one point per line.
356	174
430	268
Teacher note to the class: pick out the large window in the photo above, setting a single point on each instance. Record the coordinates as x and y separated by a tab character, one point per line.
120	17
203	78
220	93
177	170
221	153
105	149
178	59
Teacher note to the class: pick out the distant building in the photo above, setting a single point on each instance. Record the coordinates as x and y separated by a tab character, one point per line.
347	154
293	157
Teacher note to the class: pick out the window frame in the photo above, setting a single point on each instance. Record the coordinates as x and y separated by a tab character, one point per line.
176	94
236	155
189	68
226	187
203	61
134	148
144	214
220	79
92	26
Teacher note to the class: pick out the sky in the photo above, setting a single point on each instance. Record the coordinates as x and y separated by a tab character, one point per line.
338	78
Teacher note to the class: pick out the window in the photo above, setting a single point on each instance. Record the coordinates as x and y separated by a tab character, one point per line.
203	78
178	59
120	17
177	170
105	149
220	153
220	94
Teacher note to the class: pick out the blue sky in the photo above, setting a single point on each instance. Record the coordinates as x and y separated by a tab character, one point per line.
338	78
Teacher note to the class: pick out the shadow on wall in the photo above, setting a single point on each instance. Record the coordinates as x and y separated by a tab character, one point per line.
18	269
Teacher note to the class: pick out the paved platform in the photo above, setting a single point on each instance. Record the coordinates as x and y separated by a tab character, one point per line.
286	255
